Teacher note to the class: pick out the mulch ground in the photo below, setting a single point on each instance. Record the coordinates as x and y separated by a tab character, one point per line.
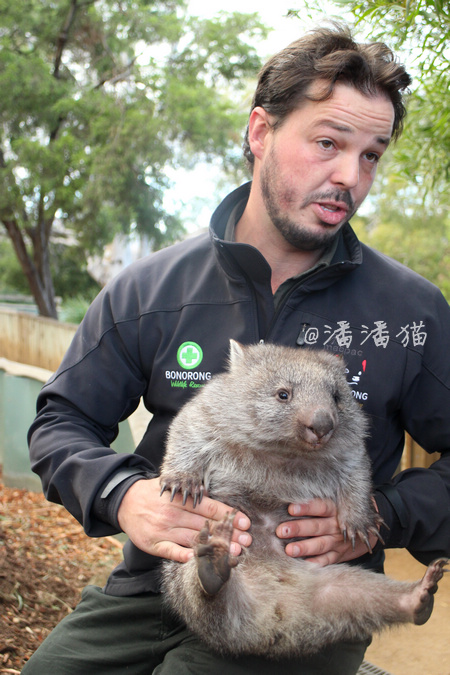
45	561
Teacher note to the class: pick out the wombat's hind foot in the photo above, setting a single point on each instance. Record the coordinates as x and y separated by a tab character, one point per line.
214	561
423	594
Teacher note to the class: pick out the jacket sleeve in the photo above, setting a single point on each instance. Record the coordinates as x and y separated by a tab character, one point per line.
99	383
416	503
416	509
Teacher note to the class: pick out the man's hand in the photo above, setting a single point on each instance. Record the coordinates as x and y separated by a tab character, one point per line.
323	542
168	529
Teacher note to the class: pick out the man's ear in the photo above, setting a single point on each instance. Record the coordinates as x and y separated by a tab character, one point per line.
258	128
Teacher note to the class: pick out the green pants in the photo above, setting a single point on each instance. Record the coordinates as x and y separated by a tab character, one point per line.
137	636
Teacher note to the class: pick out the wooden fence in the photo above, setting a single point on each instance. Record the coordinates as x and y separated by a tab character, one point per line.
31	348
415	456
33	340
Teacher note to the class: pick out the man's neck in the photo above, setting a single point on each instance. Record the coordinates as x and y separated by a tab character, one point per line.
285	260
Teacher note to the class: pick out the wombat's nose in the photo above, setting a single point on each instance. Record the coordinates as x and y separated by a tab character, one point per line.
322	423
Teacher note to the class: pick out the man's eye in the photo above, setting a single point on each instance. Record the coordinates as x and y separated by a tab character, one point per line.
372	157
325	144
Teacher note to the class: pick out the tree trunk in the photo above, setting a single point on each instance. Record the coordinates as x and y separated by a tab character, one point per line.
40	284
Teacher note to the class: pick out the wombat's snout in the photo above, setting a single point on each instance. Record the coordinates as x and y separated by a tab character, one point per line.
320	427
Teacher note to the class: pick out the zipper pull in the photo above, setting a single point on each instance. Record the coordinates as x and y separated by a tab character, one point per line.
301	339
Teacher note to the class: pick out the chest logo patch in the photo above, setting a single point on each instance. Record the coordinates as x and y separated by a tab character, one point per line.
189	355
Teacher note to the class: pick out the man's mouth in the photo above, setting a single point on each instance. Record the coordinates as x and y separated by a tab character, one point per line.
330	213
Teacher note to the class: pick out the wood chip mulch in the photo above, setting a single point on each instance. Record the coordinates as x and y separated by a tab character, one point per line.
45	561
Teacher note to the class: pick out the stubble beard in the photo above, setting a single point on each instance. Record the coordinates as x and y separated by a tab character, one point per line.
295	232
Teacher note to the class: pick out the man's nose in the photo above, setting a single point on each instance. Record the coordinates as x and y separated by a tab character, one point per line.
346	172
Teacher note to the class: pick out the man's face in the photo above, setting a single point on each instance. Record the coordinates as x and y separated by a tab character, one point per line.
319	165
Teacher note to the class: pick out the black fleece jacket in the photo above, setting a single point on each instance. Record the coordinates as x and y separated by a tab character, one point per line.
161	329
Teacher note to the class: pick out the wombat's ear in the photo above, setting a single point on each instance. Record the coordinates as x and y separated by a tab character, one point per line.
236	353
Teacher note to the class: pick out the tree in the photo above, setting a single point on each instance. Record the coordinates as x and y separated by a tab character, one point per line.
98	97
404	227
420	29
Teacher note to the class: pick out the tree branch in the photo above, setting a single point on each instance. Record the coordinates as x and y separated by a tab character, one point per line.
63	36
119	76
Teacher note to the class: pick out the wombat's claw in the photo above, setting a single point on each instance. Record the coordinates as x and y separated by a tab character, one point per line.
198	495
349	533
214	562
173	492
365	539
427	588
379	537
169	487
364	536
195	491
352	537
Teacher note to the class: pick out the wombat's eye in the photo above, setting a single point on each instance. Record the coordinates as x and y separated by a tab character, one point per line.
283	395
336	397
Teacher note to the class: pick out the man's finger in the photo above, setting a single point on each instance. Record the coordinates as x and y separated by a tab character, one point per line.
215	510
308	527
316	507
211	509
171	551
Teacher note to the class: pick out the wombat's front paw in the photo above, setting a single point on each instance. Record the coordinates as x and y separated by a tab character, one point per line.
422	596
214	562
187	485
362	529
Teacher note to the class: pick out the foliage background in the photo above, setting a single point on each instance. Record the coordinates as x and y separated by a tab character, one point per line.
410	215
102	96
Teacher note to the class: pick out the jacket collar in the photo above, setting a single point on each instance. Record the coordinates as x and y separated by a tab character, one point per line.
249	260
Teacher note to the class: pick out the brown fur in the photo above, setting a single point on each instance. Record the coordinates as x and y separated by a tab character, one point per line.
280	426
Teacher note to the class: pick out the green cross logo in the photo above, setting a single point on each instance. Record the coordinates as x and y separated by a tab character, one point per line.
189	355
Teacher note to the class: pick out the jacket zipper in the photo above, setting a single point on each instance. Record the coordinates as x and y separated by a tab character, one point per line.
301	338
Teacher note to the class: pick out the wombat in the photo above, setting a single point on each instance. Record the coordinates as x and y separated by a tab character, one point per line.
280	426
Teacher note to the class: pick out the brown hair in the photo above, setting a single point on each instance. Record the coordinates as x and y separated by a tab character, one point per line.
331	55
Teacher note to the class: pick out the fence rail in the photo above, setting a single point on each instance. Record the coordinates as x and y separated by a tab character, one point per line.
34	340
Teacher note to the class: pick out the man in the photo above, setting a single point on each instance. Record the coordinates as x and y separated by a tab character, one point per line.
283	265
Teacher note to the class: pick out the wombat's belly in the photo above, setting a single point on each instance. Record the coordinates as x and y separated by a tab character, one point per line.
265	542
